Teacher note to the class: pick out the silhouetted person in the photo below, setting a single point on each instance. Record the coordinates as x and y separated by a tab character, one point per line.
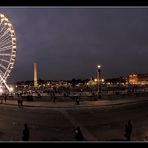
146	138
39	95
77	100
5	97
64	94
21	101
78	134
1	99
54	99
18	102
26	133
128	130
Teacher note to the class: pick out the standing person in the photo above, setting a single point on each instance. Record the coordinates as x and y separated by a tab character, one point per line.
54	97
77	100
1	99
18	102
21	101
128	130
26	133
5	97
78	134
146	138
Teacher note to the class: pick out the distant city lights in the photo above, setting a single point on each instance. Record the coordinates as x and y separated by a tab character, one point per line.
11	89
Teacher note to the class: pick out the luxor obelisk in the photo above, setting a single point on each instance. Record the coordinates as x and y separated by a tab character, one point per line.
35	76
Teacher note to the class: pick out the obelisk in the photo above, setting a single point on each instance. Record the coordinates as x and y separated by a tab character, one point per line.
35	76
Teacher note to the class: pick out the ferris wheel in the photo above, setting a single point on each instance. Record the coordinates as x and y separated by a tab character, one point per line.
7	49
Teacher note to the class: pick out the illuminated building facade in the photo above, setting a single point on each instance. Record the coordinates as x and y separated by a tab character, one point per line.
133	79
138	79
143	79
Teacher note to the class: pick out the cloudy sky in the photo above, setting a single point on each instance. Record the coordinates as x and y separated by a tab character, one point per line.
69	42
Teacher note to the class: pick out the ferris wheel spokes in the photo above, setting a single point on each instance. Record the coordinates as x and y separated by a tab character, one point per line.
7	49
4	82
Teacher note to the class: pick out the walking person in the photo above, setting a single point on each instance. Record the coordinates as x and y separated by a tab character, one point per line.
26	133
128	130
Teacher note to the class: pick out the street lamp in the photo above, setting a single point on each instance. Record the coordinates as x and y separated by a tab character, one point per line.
99	80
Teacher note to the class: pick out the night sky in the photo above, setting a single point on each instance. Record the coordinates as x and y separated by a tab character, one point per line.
69	42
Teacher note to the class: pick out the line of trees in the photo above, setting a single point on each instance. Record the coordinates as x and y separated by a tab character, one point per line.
74	81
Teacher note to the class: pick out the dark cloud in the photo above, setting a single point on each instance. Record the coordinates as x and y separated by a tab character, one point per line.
69	42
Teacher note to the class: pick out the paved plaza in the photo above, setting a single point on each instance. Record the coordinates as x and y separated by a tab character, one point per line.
101	120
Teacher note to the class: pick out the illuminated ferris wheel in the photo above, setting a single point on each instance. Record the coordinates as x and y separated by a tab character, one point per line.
7	49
